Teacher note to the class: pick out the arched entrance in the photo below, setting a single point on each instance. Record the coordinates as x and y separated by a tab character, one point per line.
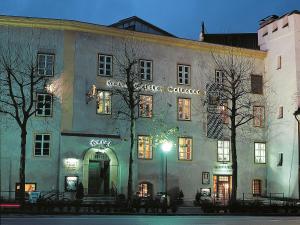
100	171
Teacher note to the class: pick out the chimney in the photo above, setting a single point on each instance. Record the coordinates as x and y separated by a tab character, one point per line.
201	36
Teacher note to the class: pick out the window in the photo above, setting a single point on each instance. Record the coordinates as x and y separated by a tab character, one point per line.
223	151
105	65
285	22
219	77
223	111
144	147
280	159
145	109
29	187
145	189
256	84
104	102
43	104
256	187
260	153
45	64
42	145
278	62
258	116
280	112
184	109
183	74
146	69
185	148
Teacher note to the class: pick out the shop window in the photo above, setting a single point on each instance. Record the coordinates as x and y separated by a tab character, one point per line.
183	74
144	147
145	190
260	153
71	183
145	106
42	145
256	187
45	64
44	104
185	148
104	65
258	116
104	102
184	109
256	84
146	69
223	151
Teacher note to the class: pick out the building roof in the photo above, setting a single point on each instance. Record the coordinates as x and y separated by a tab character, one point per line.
242	40
269	19
131	23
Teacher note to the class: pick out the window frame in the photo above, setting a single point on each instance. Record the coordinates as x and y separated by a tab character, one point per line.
42	142
139	110
151	69
229	151
36	104
178	149
110	109
265	151
144	151
98	65
222	72
45	54
262	120
189	74
190	109
262	84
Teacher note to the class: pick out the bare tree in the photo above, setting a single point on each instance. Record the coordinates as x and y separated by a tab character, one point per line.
19	82
230	98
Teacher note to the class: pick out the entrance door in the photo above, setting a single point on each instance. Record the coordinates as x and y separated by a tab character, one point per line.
222	187
98	182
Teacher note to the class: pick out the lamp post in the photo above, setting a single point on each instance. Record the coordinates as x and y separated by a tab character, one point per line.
166	147
297	116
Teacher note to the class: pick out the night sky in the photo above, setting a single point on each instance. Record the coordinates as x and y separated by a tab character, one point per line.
179	17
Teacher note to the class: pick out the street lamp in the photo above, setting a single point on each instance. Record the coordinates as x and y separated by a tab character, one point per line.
297	116
166	147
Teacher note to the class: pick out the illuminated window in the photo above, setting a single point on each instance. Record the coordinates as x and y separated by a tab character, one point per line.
145	109
104	65
45	65
223	111
256	84
144	147
42	145
43	104
183	76
104	102
219	77
185	148
258	116
145	190
260	153
184	109
146	69
256	187
29	187
223	151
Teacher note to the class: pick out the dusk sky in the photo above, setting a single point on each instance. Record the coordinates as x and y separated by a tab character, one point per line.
181	18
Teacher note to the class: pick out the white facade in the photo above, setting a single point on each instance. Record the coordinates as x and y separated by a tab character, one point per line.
75	123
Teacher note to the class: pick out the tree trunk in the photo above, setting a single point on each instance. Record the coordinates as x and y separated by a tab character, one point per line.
22	164
132	130
233	150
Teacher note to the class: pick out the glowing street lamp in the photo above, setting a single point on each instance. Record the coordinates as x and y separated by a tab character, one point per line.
166	147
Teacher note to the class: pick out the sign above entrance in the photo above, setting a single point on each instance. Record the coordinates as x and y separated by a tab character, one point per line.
224	169
100	143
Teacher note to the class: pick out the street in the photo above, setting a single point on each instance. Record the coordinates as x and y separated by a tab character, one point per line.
148	220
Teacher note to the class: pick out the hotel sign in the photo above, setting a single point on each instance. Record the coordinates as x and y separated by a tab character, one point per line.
156	88
102	143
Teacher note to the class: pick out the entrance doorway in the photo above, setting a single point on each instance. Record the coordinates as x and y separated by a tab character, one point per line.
98	174
222	187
